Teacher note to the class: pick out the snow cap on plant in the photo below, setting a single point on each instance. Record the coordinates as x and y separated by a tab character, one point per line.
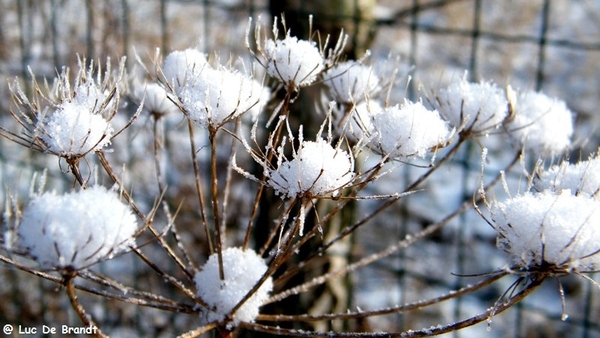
242	270
220	96
549	230
407	130
351	82
358	124
541	124
317	169
182	67
473	107
76	229
294	62
582	178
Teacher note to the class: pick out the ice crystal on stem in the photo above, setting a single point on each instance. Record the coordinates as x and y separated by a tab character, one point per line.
242	270
550	230
76	229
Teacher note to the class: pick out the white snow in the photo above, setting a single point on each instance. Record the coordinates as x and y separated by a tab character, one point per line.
541	124
550	228
294	62
76	127
582	178
407	130
181	67
221	95
76	229
476	107
317	168
242	269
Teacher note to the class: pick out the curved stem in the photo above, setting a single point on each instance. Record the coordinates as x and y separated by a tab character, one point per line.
69	283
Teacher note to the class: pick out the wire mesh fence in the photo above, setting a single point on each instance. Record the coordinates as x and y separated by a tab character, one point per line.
548	45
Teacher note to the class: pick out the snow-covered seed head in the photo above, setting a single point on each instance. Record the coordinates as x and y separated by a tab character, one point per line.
296	63
182	67
358	124
220	96
351	82
582	178
473	107
73	130
540	123
242	270
554	231
317	169
407	130
155	99
77	229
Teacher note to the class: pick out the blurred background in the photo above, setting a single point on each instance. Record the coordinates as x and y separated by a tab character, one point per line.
547	45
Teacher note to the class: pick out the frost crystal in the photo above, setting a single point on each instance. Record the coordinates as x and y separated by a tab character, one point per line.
549	229
181	67
77	229
476	107
317	169
582	178
294	62
242	269
407	130
541	124
77	126
220	96
351	82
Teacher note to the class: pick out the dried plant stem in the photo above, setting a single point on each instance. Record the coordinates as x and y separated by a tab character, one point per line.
158	140
219	238
69	284
199	187
197	332
147	222
396	309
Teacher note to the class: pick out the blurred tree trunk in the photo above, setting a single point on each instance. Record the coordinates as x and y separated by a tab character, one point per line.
355	17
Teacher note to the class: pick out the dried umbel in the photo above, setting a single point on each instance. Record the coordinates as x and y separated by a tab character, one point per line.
540	123
242	269
549	231
69	120
473	108
77	229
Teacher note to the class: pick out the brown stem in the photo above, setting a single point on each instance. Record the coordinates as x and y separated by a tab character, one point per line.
199	187
215	199
69	283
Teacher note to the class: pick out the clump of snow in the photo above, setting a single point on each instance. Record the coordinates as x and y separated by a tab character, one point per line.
294	62
317	169
351	82
540	123
221	95
407	130
77	126
582	178
242	269
181	67
475	107
77	229
550	230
